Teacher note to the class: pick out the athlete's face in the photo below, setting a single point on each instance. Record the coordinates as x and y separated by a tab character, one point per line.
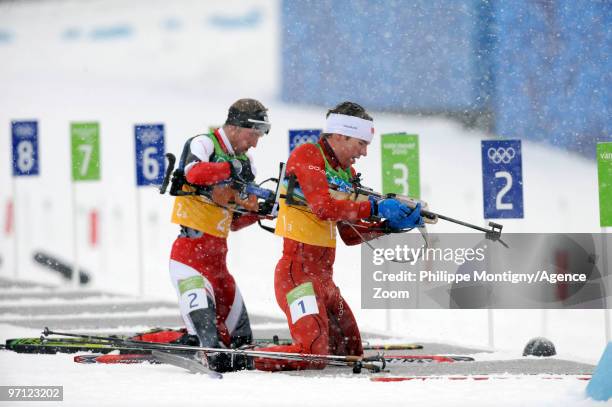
349	149
245	139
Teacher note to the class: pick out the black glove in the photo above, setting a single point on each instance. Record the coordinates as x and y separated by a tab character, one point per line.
241	170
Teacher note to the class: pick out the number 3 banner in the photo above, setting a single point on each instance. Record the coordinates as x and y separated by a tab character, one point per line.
400	164
502	179
150	150
85	151
25	148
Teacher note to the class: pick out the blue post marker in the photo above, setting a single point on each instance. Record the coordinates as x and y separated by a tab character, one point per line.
502	188
299	137
25	163
150	150
600	385
502	179
25	148
150	170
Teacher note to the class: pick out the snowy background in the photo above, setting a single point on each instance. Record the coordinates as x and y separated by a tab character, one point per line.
183	64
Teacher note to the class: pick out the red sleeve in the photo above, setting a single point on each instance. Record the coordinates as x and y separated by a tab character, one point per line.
243	220
308	165
205	173
359	232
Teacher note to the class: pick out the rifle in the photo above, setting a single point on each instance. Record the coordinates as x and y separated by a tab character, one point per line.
358	192
267	200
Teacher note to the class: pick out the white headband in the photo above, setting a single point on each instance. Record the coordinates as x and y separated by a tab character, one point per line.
350	126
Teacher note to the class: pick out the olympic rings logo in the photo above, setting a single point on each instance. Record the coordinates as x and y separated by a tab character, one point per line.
299	140
24	130
501	155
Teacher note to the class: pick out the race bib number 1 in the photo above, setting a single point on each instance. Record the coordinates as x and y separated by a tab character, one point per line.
302	302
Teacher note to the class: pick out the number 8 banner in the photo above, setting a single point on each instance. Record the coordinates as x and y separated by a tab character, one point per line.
150	149
502	179
25	148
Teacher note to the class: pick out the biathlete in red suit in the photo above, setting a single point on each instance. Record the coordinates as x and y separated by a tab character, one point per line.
211	305
320	321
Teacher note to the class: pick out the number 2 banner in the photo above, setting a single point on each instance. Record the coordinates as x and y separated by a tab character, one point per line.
502	179
85	151
400	164
25	148
150	150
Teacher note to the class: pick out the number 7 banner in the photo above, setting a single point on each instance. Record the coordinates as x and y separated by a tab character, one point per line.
85	151
502	179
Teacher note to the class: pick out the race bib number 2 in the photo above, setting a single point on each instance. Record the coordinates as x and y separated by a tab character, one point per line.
193	294
302	302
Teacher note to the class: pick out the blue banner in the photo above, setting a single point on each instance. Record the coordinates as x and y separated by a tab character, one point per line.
298	137
25	148
150	150
502	179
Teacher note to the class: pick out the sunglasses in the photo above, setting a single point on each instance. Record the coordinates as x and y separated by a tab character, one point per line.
259	125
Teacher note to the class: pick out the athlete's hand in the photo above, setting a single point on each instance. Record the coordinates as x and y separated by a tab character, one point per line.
399	215
249	204
413	218
223	195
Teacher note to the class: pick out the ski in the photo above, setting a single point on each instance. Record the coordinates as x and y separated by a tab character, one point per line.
407	359
186	362
150	358
56	345
392	379
129	358
392	346
52	345
71	345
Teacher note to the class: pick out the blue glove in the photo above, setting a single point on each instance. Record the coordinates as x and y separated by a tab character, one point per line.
399	215
413	219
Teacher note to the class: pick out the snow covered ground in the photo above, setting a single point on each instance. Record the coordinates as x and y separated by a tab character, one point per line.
154	385
183	65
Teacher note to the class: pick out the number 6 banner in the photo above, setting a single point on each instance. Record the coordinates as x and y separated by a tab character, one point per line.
502	179
25	148
150	150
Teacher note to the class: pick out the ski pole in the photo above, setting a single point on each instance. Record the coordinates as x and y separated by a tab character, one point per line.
357	362
47	332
